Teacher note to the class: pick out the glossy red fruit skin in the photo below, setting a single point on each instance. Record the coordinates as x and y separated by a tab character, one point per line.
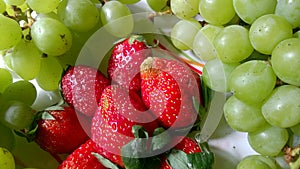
82	158
168	88
125	60
81	87
60	135
187	145
119	110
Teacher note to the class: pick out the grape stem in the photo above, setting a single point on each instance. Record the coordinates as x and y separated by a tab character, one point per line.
292	157
154	14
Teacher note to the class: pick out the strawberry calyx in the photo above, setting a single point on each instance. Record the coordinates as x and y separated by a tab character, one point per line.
138	154
104	161
178	159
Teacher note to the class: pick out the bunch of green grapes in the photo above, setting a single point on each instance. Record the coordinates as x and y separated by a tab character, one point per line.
252	52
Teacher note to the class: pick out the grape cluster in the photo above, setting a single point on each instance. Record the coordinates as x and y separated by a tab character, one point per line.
252	52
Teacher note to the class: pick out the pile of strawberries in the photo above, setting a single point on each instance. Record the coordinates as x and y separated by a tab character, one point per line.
137	116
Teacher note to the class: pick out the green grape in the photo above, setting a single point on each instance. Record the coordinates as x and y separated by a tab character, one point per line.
267	31
25	60
296	129
29	152
250	10
282	107
252	81
7	160
6	79
43	6
185	9
232	44
7	59
117	19
158	5
268	141
74	14
11	32
51	36
290	10
14	2
243	117
23	91
216	12
7	139
183	33
257	162
2	6
203	42
297	34
16	115
50	74
285	61
129	1
215	74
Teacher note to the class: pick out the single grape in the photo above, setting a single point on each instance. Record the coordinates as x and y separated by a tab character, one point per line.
51	36
129	1
74	14
7	139
243	117
267	31
25	60
250	10
183	33
16	115
14	2
43	6
232	44
50	74
23	91
11	32
117	18
158	5
268	141
258	162
6	79
7	160
282	107
296	129
2	6
216	12
215	74
185	9
290	10
203	42
285	61
297	34
252	81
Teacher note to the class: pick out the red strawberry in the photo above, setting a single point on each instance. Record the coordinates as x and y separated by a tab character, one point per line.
168	88
124	63
59	131
119	110
82	87
187	145
82	158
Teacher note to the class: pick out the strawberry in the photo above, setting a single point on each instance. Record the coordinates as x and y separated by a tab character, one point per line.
125	60
82	158
82	87
59	131
168	88
187	145
119	110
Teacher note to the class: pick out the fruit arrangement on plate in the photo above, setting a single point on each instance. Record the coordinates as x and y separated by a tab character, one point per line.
157	84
